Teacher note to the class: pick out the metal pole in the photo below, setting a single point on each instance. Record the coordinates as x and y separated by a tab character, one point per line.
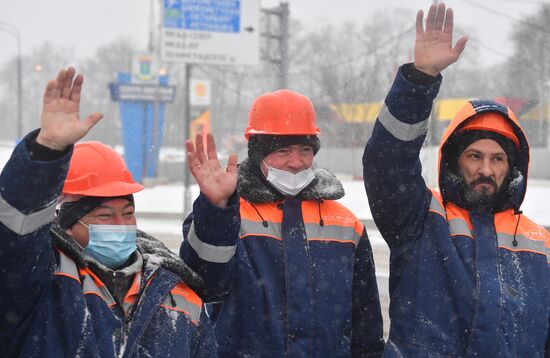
284	45
19	92
186	132
15	33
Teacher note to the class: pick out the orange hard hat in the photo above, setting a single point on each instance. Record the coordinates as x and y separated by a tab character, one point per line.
282	112
492	122
98	170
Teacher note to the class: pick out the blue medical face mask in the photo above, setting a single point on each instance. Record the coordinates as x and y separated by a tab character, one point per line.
111	245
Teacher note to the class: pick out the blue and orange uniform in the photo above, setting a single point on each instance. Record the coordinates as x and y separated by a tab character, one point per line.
303	280
463	283
54	304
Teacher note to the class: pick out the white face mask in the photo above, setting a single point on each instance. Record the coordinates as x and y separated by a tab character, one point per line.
288	183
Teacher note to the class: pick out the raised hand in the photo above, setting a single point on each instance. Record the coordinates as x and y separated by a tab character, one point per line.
214	182
60	123
433	51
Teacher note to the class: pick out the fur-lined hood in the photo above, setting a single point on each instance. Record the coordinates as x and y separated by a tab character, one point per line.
255	189
154	254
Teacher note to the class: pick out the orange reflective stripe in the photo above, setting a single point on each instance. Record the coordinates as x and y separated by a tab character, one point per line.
91	284
183	299
132	294
249	227
333	233
523	243
333	214
459	227
339	224
459	220
185	291
134	289
529	236
436	204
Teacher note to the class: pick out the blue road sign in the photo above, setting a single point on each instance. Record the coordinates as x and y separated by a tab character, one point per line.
201	15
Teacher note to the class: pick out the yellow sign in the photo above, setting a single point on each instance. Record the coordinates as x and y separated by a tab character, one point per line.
357	112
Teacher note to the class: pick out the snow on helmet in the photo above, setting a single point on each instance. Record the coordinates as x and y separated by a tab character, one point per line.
98	170
282	112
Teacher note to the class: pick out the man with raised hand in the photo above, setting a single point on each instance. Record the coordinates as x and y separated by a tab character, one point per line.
468	272
86	283
303	280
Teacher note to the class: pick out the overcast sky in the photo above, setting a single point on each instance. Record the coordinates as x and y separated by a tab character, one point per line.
85	25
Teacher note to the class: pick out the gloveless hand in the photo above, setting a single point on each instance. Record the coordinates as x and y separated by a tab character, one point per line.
60	122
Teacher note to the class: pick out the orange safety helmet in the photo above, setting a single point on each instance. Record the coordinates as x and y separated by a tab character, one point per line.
492	122
282	112
98	170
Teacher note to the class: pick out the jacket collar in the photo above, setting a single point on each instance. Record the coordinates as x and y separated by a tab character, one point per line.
253	187
154	253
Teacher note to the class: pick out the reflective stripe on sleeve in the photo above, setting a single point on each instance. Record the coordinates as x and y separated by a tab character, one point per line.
400	130
207	252
23	224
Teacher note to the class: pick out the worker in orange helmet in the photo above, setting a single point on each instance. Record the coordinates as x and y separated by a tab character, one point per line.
469	274
87	282
302	281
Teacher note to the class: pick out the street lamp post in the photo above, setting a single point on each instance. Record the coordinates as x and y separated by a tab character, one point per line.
10	29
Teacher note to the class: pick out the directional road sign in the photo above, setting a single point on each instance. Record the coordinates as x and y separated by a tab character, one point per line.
211	31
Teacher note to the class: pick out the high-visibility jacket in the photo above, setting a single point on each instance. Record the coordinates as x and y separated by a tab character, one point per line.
303	279
53	305
462	283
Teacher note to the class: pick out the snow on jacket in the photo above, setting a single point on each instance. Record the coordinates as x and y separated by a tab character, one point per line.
294	293
462	284
53	305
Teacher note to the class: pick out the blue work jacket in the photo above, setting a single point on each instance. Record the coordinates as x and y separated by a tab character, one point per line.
53	305
463	283
302	280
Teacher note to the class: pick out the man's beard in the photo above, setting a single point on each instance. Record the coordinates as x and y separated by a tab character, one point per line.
480	200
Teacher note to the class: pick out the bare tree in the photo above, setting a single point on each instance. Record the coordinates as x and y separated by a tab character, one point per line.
38	67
